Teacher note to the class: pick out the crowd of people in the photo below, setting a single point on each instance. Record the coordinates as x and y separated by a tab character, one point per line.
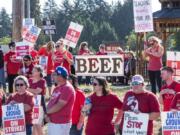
68	106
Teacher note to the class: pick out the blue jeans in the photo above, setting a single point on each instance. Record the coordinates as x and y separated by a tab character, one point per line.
74	131
2	79
28	129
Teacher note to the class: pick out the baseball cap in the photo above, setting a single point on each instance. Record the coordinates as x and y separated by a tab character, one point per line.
137	79
62	71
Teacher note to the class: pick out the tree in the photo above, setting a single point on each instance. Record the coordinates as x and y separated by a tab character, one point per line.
5	24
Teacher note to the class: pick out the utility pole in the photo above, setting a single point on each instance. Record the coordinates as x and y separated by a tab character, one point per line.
28	9
17	17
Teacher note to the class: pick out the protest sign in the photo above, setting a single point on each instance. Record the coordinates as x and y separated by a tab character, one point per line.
22	49
174	62
170	123
143	19
13	119
43	61
104	65
73	34
37	109
32	34
27	22
135	124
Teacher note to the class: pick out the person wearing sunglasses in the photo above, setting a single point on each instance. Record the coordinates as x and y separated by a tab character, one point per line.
155	53
27	66
103	103
37	86
139	100
62	57
60	106
22	95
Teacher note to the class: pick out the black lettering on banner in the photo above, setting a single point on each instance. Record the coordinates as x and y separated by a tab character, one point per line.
81	65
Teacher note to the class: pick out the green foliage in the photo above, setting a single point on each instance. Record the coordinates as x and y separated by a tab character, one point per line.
5	24
5	40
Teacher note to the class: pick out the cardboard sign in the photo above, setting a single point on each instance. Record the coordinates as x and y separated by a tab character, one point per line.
22	49
73	34
32	34
13	119
170	123
135	124
174	62
43	61
36	109
143	19
104	65
27	22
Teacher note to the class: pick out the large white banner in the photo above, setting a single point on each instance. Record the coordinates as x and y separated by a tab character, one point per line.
170	123
174	62
73	34
143	19
13	119
135	124
105	65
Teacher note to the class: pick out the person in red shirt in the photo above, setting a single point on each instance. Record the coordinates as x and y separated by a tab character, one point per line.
47	51
27	66
103	103
62	57
34	55
139	100
60	106
21	95
155	53
169	90
12	65
37	86
77	118
102	50
175	106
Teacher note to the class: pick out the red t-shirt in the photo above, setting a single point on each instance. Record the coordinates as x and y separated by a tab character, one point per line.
50	63
65	92
145	103
83	52
60	61
26	98
79	102
176	102
34	55
101	114
155	63
28	70
40	84
167	98
100	53
13	64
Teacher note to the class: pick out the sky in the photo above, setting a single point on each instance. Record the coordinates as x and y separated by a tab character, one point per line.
7	4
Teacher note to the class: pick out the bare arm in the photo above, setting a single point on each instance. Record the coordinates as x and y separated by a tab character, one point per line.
58	106
27	107
119	117
154	115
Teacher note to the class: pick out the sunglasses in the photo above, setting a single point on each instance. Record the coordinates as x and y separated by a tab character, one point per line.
19	85
94	84
135	83
57	46
25	60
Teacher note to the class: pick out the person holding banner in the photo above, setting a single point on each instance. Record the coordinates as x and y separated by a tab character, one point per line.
37	86
139	100
102	50
103	103
48	51
12	65
175	106
60	106
27	66
77	118
21	95
169	90
155	53
62	57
